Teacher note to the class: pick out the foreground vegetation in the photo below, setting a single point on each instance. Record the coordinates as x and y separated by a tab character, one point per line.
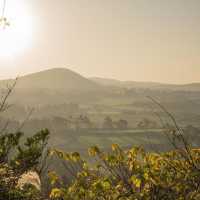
131	174
118	174
16	160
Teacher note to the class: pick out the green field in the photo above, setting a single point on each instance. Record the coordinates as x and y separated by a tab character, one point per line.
82	140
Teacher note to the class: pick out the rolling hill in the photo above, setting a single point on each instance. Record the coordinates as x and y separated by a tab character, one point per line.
68	80
146	85
53	86
125	84
56	79
59	85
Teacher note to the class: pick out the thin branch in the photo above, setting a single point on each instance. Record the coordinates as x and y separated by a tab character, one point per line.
3	104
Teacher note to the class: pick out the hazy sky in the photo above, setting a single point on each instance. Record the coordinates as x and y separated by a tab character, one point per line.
142	40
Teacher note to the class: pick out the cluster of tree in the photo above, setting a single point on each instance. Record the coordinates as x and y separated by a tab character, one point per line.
110	124
80	122
61	124
147	123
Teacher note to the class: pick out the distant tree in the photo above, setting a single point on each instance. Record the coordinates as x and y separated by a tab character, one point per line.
108	123
192	134
146	123
122	124
88	123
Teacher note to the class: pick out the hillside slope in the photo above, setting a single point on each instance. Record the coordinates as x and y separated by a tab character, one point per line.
56	79
54	86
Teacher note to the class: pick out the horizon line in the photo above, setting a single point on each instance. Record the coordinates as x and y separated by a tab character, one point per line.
100	77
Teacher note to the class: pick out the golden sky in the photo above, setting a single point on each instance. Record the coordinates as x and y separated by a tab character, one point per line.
141	40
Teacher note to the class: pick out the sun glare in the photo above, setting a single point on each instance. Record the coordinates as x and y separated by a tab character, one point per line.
16	37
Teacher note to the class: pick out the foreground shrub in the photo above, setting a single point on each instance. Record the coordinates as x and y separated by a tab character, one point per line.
131	174
16	161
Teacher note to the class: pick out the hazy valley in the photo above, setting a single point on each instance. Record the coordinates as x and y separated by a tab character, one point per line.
80	112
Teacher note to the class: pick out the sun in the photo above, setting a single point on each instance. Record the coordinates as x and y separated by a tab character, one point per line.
15	38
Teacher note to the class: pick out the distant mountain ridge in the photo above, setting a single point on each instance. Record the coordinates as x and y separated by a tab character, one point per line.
147	85
61	85
67	80
128	84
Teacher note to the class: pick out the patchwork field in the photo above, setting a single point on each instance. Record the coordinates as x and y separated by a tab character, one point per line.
82	140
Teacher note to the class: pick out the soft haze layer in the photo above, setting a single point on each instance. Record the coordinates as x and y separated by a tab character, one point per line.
137	40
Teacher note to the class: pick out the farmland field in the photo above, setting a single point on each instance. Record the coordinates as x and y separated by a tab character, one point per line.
82	140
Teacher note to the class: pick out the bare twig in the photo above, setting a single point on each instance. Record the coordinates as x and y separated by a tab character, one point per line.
188	156
3	104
